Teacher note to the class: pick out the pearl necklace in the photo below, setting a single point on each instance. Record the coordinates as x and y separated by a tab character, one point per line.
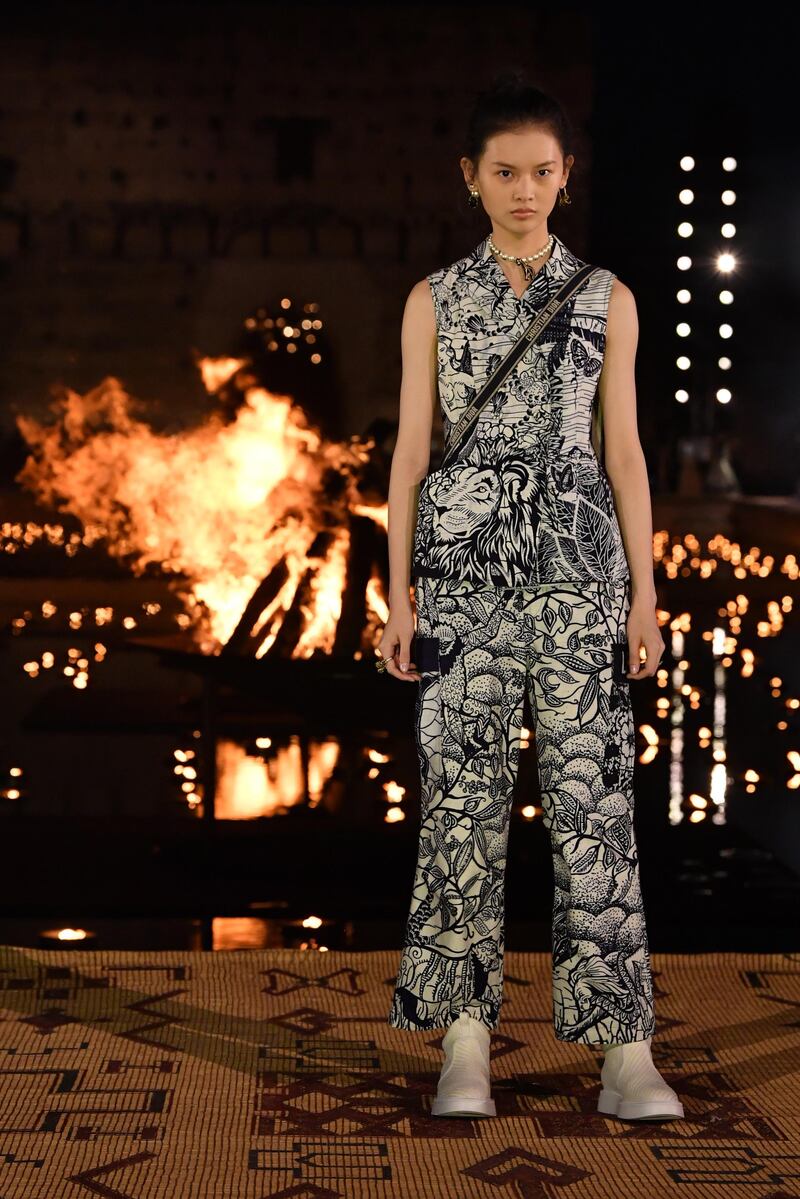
523	262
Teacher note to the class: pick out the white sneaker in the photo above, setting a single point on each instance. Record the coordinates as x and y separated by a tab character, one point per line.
632	1087
465	1084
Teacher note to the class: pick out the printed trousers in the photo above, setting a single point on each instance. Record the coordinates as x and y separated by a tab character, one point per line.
478	649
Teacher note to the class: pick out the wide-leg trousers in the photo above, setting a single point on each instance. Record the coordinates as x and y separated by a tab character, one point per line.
478	650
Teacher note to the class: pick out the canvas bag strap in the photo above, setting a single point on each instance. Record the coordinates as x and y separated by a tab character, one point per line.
465	423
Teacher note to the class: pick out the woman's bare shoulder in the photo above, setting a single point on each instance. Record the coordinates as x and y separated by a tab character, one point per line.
421	292
420	303
620	293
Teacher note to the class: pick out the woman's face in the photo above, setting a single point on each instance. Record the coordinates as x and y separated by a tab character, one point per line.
520	169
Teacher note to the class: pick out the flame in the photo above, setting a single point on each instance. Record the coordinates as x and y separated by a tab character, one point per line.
221	505
216	372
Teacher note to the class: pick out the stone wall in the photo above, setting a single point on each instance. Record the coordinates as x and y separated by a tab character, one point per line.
161	178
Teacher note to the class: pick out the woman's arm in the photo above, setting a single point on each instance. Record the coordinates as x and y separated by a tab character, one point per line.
412	448
627	472
410	459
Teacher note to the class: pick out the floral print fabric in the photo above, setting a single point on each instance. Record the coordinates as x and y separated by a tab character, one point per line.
478	650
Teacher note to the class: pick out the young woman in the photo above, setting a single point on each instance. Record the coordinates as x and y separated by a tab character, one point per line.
533	571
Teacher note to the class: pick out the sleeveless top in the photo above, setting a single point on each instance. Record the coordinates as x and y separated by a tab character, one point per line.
528	500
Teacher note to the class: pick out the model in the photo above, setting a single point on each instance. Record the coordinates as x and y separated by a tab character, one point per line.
533	570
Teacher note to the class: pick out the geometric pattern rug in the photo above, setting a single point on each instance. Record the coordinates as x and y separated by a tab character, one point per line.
264	1074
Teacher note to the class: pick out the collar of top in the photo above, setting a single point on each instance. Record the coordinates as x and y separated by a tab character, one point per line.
560	264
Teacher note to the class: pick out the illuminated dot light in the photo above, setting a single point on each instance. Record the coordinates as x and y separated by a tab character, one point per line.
683	329
687	555
728	197
729	164
687	162
726	330
192	792
682	396
724	364
684	295
686	195
683	363
685	229
728	229
726	261
280	333
684	262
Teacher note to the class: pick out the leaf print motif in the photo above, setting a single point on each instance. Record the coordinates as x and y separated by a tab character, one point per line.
573	662
587	707
618	833
598	657
591	527
566	807
441	844
586	861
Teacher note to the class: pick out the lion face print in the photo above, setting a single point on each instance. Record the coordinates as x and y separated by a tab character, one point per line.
528	500
478	521
463	500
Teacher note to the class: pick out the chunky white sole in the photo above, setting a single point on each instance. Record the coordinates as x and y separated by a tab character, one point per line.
611	1103
453	1105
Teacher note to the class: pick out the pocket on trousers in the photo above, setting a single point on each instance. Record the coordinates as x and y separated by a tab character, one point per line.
426	653
620	662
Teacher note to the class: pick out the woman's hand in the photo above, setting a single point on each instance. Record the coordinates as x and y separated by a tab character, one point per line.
643	630
395	642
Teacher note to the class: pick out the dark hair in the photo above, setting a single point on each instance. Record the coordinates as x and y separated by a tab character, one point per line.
511	102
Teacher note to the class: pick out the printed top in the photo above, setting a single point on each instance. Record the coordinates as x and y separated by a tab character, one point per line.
527	499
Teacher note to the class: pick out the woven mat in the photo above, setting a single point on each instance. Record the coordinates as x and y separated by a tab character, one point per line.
247	1075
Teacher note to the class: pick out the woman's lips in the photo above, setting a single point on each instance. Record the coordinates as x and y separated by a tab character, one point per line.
523	212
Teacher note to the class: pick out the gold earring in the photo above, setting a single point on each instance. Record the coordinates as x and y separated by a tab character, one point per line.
473	198
562	200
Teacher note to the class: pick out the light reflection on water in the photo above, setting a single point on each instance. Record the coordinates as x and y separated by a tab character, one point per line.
701	709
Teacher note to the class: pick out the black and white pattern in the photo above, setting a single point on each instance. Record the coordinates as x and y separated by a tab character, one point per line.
478	649
528	500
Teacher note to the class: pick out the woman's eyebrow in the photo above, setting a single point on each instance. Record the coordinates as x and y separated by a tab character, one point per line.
550	162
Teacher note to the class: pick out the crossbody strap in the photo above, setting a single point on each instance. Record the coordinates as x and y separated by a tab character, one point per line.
465	423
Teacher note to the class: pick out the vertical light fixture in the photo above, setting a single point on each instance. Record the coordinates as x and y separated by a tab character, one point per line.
723	258
684	293
726	264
